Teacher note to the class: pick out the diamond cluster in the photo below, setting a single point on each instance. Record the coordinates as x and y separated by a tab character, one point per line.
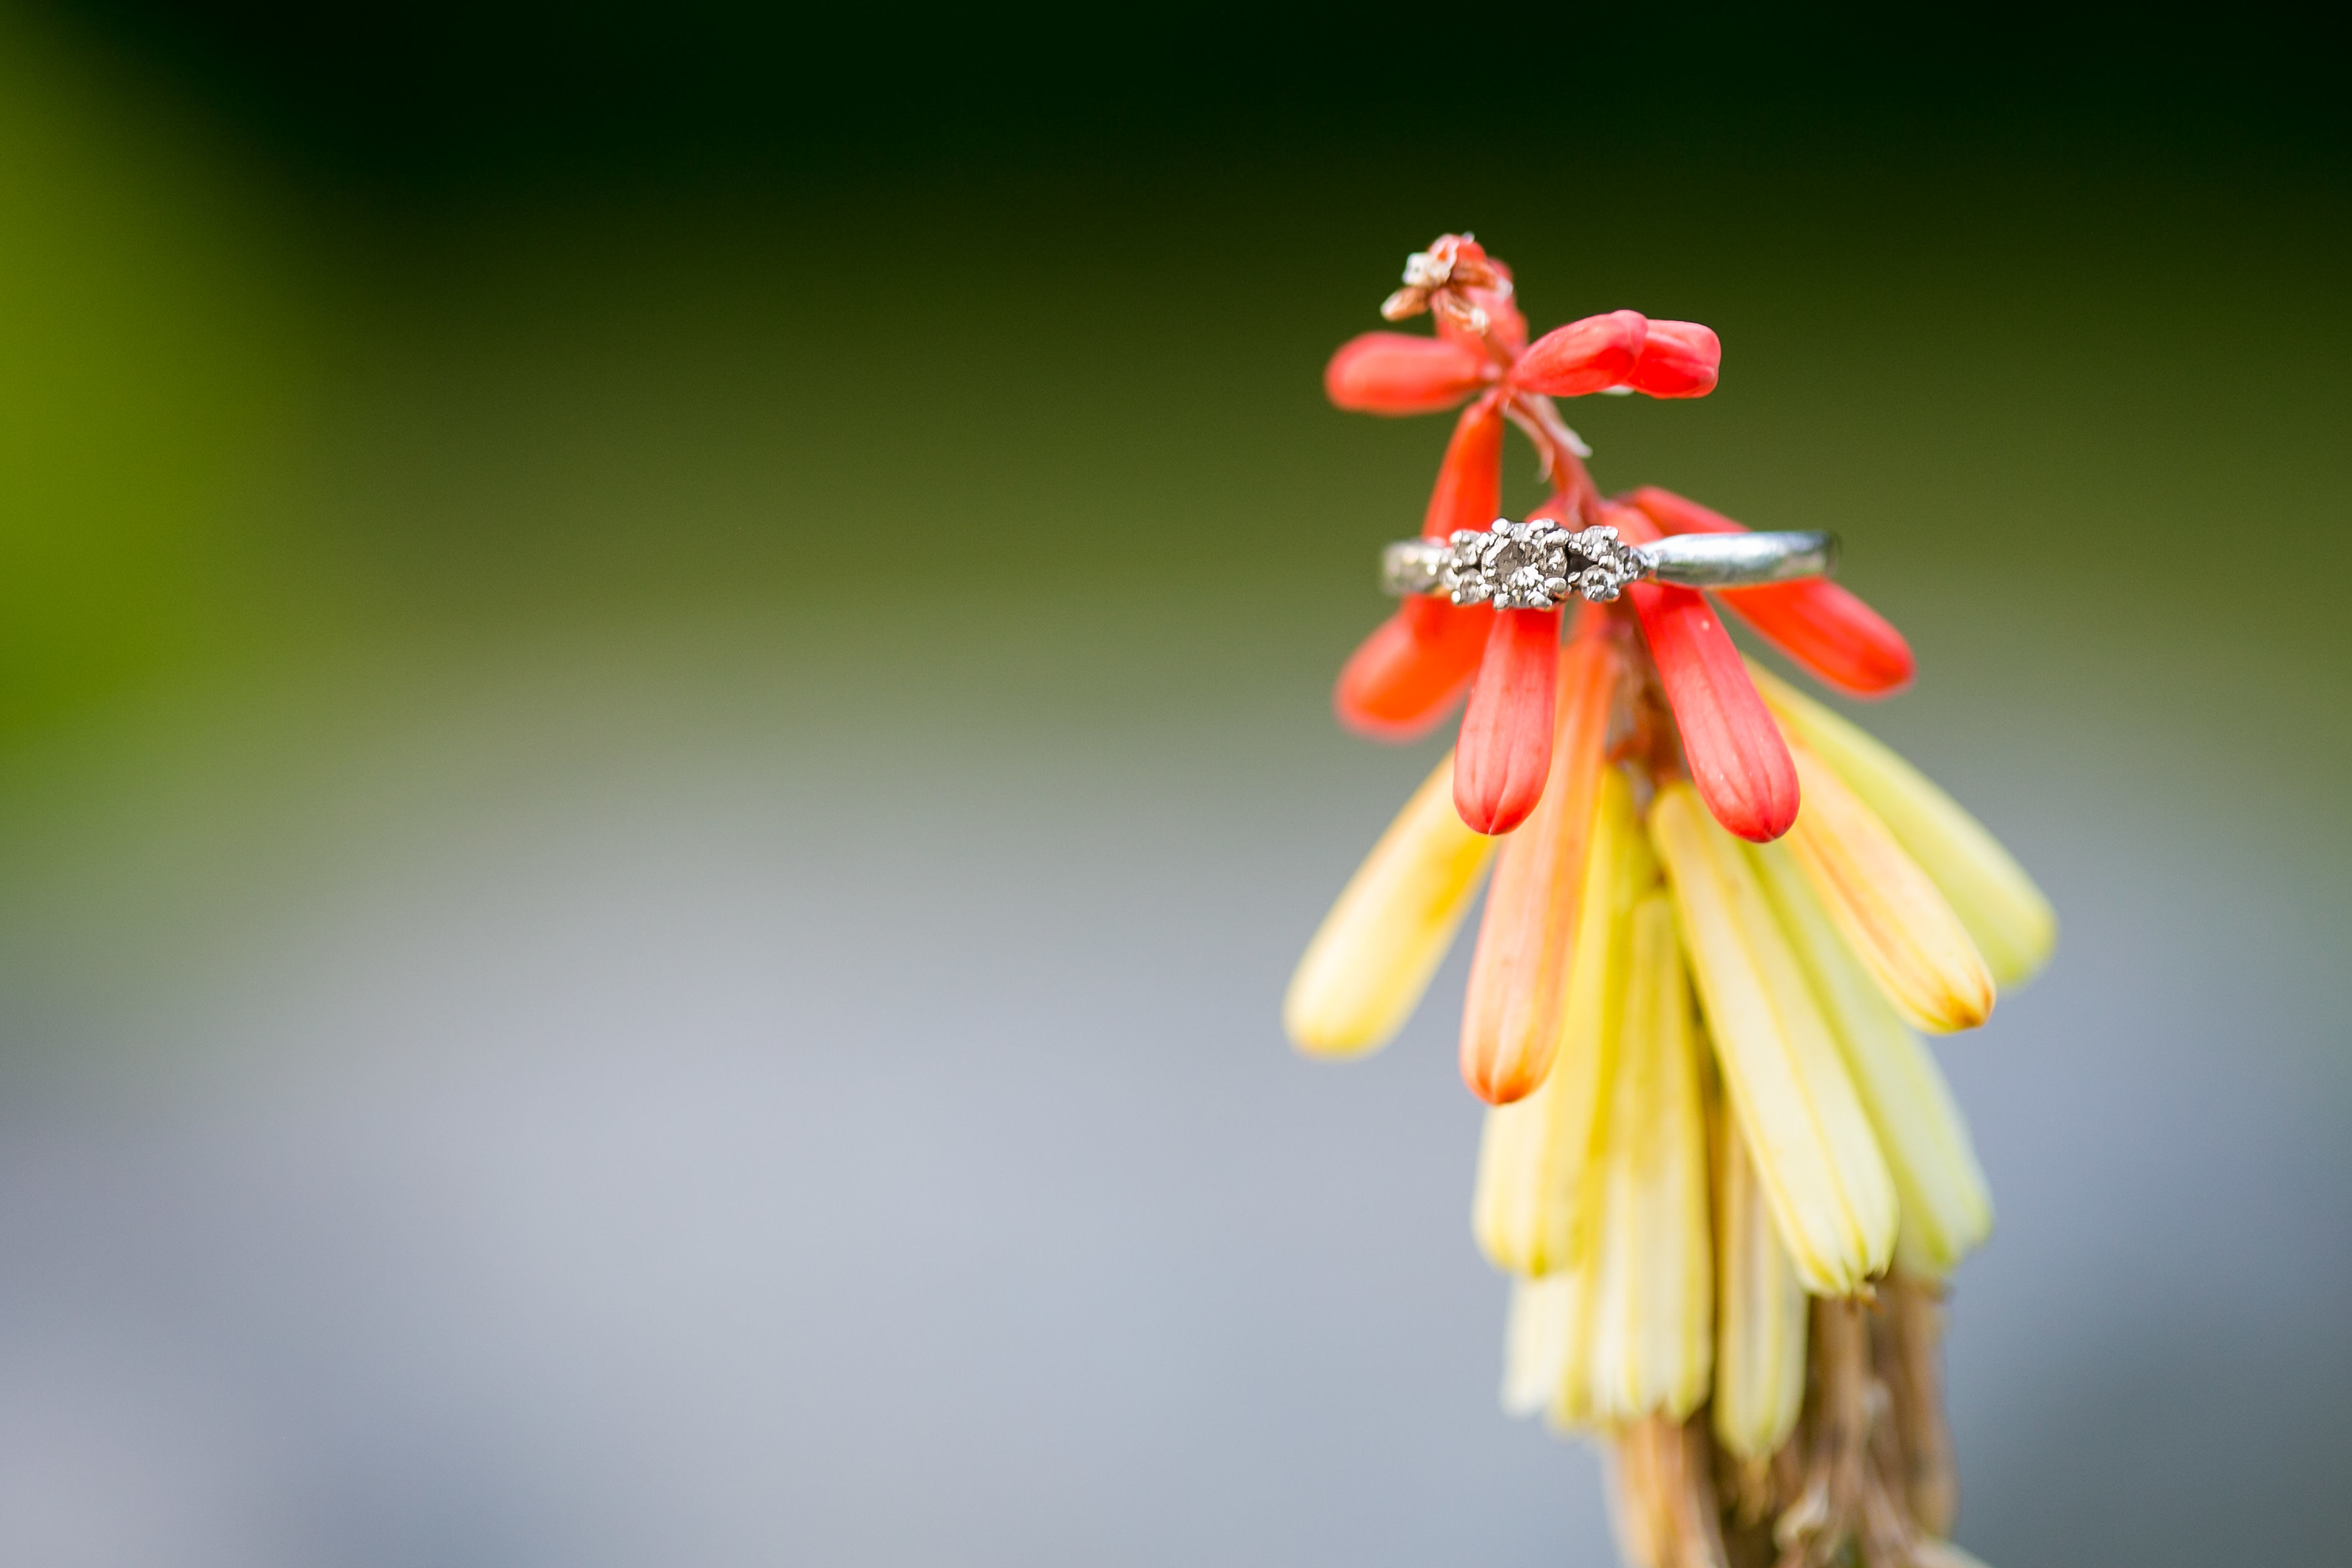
1535	565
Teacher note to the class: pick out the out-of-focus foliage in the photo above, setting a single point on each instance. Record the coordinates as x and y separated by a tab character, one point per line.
151	355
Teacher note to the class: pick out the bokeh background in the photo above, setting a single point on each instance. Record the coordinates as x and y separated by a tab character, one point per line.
664	743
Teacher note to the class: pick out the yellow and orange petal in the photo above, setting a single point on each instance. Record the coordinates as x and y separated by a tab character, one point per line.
1536	1151
1520	976
1644	1264
1889	910
1831	1196
1760	1356
1947	1208
2011	923
1538	1328
1374	956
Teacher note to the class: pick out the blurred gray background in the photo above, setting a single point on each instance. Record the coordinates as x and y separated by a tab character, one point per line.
659	766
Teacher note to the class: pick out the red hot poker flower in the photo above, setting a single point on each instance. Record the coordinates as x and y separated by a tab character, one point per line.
1404	678
1664	1254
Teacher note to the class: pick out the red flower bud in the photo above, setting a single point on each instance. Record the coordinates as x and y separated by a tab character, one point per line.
1840	640
1413	667
1678	359
1505	752
1731	743
1735	755
1398	373
1590	355
1469	491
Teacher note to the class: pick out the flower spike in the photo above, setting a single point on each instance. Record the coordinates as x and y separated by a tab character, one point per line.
1518	981
1725	1231
1404	677
1736	754
1398	374
1457	281
1375	951
1537	1336
1836	636
1485	316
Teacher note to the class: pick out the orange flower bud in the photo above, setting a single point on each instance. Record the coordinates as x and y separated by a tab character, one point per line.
1518	980
1889	910
1590	355
1398	372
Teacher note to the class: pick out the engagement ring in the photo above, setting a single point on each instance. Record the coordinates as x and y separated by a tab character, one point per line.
1538	565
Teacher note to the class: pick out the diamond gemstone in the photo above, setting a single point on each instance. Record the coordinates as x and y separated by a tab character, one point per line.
1535	565
1512	566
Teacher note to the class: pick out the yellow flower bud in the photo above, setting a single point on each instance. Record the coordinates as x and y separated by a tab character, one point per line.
1366	970
1536	1337
1824	1177
1947	1211
1888	908
2011	923
1643	1269
1759	1358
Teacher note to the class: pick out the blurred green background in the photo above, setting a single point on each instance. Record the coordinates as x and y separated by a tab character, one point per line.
850	498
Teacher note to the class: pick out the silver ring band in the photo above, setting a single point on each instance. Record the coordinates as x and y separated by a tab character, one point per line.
1539	566
1740	560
